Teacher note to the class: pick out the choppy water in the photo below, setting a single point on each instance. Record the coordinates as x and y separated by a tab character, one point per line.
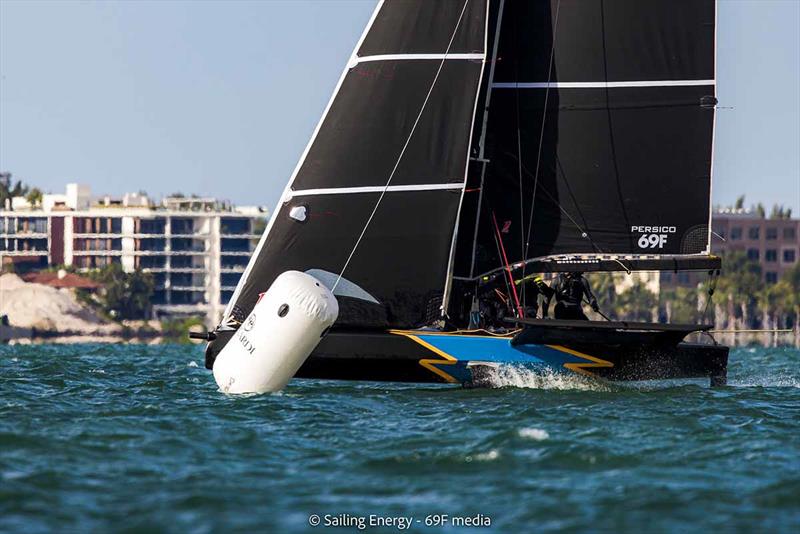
137	438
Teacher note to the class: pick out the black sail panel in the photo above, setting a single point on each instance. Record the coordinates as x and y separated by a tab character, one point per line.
394	139
608	153
607	40
425	26
373	115
401	260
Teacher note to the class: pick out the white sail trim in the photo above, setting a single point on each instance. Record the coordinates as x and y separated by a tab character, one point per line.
411	57
601	85
372	189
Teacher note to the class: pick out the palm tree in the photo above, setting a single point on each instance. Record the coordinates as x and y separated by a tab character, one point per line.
637	303
792	279
739	284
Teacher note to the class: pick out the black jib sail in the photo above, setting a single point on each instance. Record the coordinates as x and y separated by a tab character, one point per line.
597	145
387	159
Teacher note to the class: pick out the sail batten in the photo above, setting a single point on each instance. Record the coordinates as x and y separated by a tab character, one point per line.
374	189
601	85
411	57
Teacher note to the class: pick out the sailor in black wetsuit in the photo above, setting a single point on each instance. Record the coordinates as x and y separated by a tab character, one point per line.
534	288
570	289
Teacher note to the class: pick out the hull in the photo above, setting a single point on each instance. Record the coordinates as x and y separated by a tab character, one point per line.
465	358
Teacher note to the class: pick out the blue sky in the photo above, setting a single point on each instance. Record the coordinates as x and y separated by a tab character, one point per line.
221	98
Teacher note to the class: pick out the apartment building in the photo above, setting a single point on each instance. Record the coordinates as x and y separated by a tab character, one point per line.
773	243
195	248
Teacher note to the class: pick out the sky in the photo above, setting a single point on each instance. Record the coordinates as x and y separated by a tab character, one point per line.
220	98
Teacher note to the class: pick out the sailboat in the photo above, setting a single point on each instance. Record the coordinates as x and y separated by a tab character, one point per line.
475	142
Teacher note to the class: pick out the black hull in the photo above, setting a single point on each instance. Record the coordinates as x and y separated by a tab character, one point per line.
397	357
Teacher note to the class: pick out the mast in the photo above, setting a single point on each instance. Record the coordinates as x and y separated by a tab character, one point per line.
448	285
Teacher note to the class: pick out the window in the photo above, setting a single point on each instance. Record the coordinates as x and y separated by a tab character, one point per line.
152	226
152	262
182	226
736	233
683	278
789	255
182	279
229	279
771	255
235	245
231	225
666	278
157	245
771	277
752	254
789	234
231	262
182	262
772	234
753	232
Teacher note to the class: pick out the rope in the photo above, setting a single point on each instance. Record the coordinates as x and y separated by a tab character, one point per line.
405	146
712	286
508	267
522	248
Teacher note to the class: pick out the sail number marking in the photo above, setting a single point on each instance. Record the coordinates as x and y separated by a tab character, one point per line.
653	236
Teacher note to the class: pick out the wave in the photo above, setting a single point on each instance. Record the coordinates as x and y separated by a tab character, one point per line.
536	434
523	377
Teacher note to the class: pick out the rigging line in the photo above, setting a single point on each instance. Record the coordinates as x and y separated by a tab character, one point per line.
565	212
482	139
508	267
712	287
611	140
560	172
541	138
519	156
499	256
405	146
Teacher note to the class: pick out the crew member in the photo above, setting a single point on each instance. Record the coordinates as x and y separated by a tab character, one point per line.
570	290
492	303
535	287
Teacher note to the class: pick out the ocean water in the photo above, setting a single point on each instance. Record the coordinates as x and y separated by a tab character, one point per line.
127	438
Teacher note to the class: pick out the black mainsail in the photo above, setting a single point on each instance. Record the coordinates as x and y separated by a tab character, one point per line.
583	127
599	138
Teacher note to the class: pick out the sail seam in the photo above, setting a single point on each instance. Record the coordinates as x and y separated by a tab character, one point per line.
374	189
412	57
601	85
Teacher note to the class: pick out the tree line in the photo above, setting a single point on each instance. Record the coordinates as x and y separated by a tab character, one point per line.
740	299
